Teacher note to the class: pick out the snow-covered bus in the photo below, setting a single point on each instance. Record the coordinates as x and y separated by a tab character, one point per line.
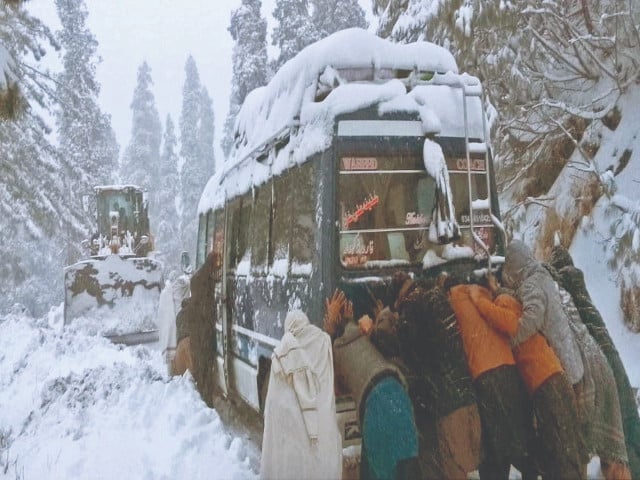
359	158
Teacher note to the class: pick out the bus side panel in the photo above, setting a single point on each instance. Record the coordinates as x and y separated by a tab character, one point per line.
259	310
261	302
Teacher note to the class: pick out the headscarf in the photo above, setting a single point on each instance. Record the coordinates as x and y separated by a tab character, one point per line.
560	257
180	288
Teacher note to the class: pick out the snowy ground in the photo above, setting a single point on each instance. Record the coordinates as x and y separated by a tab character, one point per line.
76	406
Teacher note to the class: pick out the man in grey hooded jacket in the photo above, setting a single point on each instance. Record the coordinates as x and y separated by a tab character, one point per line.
542	307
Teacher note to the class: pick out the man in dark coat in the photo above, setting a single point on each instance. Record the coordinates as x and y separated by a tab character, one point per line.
572	280
200	317
441	388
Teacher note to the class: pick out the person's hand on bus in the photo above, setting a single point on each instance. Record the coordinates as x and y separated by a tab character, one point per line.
347	311
333	309
366	324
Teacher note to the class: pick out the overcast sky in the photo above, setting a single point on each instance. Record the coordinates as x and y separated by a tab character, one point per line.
164	33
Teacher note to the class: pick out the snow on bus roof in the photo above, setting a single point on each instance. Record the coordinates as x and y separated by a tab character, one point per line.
264	113
286	107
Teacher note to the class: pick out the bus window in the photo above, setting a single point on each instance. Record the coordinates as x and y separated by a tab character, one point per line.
282	206
385	206
243	250
202	240
232	234
259	231
211	224
303	221
218	244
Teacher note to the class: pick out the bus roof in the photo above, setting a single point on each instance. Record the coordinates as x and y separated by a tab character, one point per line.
413	77
264	112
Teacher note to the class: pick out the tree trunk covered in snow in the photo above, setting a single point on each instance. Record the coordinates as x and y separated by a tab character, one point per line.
538	220
11	101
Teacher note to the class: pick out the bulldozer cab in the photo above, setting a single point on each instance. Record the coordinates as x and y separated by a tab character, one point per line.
123	221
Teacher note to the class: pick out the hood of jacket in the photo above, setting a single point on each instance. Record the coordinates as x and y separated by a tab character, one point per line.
519	263
560	257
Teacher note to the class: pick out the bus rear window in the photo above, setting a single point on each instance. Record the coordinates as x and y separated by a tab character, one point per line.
385	206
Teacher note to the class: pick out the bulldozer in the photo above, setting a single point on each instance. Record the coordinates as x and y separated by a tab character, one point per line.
115	291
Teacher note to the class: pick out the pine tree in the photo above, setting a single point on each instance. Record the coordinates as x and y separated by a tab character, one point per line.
141	160
86	138
294	30
197	132
168	240
206	134
329	16
190	153
35	218
388	13
21	34
249	30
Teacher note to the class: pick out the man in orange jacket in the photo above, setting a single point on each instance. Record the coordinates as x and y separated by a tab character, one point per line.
558	428
505	412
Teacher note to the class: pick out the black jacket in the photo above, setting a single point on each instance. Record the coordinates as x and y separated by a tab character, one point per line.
432	349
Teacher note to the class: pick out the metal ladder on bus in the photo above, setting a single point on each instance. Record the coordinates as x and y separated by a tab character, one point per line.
476	91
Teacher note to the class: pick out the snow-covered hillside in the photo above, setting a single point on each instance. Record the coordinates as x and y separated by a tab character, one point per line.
595	242
77	406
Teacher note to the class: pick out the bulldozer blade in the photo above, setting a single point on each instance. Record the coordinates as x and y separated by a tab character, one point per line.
115	296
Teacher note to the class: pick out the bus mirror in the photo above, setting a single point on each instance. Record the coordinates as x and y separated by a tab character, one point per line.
144	240
185	262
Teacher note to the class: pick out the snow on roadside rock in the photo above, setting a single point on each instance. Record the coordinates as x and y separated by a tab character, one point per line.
77	406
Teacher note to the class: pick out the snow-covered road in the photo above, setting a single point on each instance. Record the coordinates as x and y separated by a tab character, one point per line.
75	406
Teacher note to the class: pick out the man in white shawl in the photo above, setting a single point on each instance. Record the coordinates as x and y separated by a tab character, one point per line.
301	438
169	305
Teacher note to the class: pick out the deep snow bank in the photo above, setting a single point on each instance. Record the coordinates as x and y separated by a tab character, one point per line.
77	406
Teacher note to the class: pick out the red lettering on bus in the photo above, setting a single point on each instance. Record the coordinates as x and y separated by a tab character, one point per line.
359	163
